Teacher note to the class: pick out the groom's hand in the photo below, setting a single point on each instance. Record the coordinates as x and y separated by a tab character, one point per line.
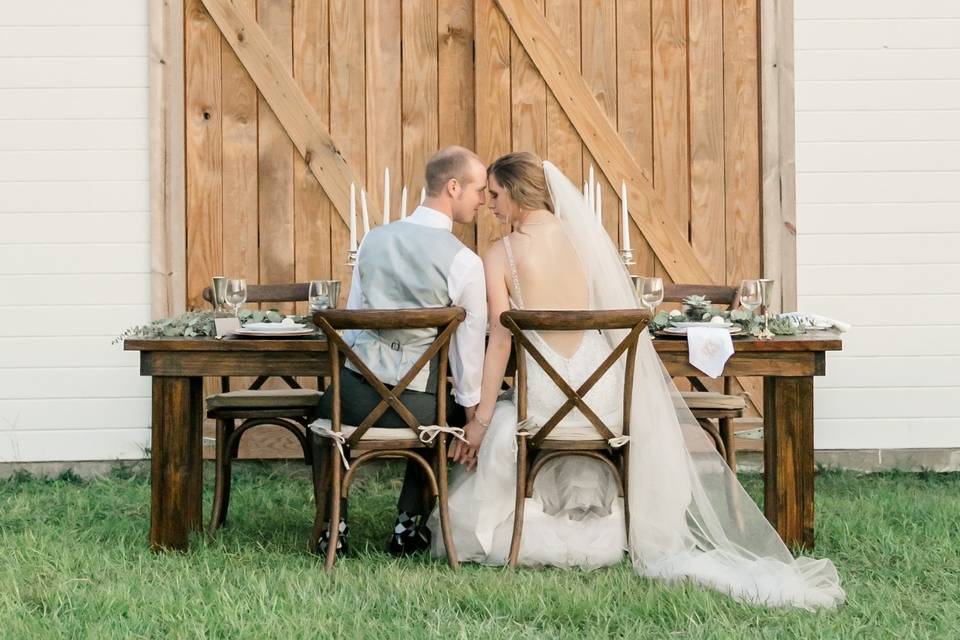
466	454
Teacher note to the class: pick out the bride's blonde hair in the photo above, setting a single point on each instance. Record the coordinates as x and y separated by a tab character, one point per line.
521	174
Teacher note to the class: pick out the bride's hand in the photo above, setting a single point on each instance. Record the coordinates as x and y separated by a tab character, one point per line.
466	454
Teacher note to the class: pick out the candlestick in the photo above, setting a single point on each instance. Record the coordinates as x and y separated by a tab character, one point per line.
353	217
626	216
403	203
363	209
386	195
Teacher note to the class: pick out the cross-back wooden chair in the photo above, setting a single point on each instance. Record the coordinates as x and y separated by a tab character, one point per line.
291	408
597	441
367	440
707	405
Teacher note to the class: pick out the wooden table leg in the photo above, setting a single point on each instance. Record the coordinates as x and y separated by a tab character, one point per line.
176	469
788	457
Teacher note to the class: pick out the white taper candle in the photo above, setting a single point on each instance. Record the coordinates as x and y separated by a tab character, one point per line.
626	216
403	203
599	204
353	217
363	209
423	194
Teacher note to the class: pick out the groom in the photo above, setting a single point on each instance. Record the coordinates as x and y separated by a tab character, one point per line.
417	263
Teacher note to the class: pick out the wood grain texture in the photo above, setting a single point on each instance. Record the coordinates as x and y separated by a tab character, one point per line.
635	106
707	205
275	158
241	233
455	90
203	150
564	147
167	162
614	159
383	140
311	69
347	91
493	128
528	94
598	66
741	139
670	122
420	91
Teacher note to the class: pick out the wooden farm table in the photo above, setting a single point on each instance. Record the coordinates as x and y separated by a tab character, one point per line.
178	366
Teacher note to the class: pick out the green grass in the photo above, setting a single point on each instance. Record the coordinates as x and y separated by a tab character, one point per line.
74	564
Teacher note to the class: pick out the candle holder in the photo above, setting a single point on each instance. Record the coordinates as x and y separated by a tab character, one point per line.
352	258
627	256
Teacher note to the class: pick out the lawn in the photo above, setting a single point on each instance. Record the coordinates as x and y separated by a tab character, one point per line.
74	564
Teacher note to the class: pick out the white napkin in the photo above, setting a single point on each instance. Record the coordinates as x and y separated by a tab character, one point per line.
814	321
710	348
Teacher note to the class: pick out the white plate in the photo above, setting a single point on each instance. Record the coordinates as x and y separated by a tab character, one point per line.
684	325
682	331
254	333
273	326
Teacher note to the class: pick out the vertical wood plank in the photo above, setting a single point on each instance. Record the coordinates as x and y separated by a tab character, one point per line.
741	139
455	90
707	204
168	260
670	150
598	61
383	141
347	94
528	94
203	151
276	161
420	91
635	106
564	147
240	172
493	98
311	69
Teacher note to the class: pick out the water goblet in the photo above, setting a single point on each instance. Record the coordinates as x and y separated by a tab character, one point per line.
650	292
750	294
236	293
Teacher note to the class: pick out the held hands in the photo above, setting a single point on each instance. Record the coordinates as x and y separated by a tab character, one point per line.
467	454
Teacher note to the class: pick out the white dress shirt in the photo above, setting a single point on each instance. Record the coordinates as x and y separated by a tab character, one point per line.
467	288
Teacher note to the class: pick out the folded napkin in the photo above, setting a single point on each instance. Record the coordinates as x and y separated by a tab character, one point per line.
814	321
710	348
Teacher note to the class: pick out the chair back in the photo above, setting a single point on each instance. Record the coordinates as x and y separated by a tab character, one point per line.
633	320
287	292
331	321
717	294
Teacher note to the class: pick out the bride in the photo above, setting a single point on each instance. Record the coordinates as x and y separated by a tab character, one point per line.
689	517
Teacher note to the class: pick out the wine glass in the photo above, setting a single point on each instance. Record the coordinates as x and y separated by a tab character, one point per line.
751	294
319	295
236	293
650	292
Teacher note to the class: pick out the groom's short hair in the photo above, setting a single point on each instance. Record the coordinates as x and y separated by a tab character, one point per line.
449	163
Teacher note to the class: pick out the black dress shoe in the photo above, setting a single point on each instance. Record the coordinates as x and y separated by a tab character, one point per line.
409	536
342	545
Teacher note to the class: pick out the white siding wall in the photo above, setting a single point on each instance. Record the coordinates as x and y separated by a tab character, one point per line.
74	228
878	214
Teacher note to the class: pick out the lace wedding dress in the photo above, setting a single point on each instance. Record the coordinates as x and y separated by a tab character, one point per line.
690	519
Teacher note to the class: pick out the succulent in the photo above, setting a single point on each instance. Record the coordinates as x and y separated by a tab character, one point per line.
696	300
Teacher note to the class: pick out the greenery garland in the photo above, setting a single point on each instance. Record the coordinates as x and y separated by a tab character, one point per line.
199	324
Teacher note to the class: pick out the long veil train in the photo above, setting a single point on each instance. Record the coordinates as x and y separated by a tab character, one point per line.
690	519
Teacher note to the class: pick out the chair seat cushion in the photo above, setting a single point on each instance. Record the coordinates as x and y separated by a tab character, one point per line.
264	399
712	400
373	433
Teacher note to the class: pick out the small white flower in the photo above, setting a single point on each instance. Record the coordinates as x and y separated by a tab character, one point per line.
717	320
674	313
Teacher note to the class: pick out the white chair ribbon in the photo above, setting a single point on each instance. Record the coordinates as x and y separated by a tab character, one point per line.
429	433
618	441
322	428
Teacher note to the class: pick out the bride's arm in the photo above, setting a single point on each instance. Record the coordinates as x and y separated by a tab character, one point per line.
496	357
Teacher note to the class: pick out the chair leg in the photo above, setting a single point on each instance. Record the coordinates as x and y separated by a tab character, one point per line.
222	472
521	498
442	494
726	434
336	483
711	430
625	480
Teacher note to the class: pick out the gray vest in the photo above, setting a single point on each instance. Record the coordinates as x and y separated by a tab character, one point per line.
403	266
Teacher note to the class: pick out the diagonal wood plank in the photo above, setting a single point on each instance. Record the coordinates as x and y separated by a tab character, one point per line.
288	102
616	162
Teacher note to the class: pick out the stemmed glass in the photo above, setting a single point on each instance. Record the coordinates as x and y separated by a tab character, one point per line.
650	292
750	294
236	294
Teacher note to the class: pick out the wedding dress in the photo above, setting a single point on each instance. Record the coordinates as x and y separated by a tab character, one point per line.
690	519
